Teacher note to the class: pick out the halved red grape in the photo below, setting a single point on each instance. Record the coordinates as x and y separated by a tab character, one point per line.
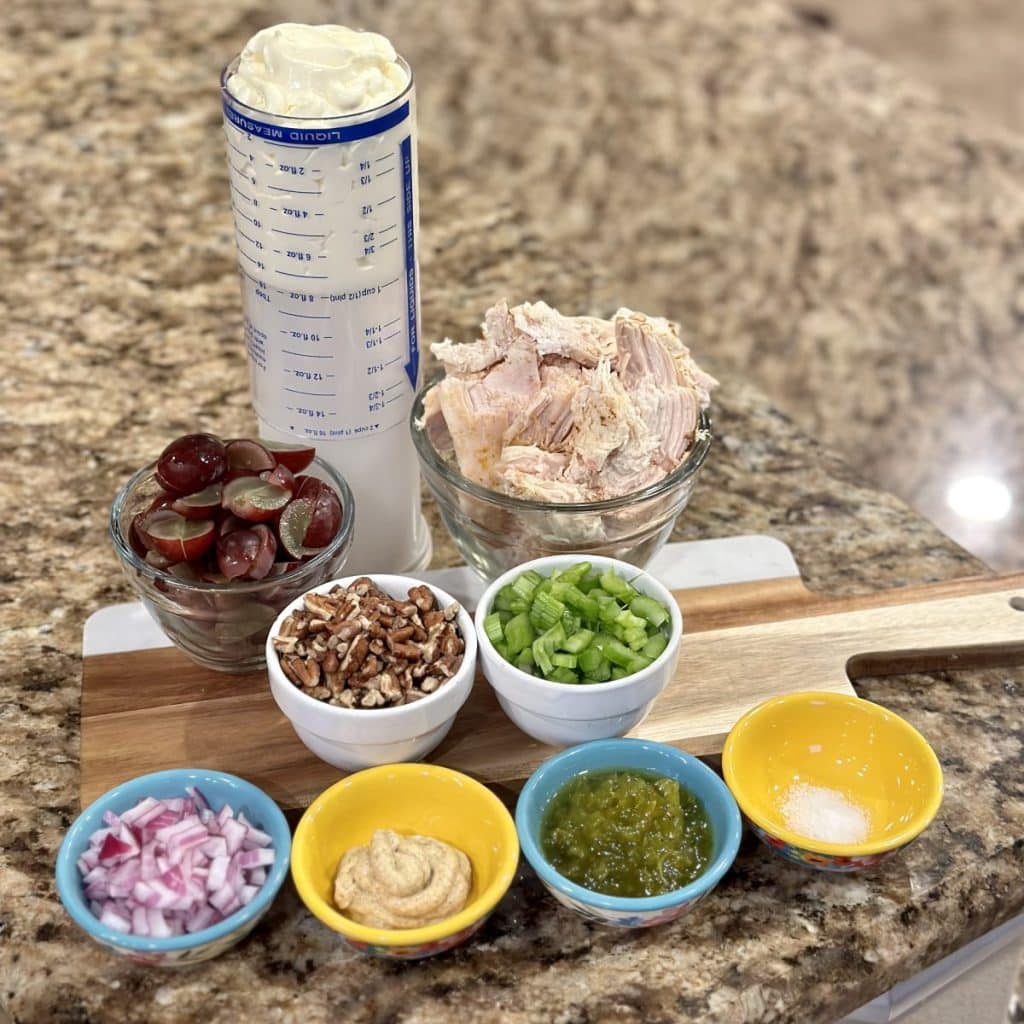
201	505
191	463
176	538
184	571
246	554
134	538
280	475
295	456
162	500
228	521
233	474
268	549
253	499
326	518
292	527
155	559
280	568
245	453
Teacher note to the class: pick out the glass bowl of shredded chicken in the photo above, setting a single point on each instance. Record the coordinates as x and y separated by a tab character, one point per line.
555	434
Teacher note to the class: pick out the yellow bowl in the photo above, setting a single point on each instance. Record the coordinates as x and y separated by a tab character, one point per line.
421	799
872	757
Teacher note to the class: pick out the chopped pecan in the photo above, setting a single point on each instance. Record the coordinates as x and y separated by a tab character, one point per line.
358	647
320	606
423	597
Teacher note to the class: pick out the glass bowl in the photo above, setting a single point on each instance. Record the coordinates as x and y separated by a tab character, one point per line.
222	626
495	532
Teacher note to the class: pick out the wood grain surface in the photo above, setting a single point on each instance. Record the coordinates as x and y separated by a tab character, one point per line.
743	643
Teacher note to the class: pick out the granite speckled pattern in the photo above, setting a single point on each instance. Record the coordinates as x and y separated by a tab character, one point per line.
117	274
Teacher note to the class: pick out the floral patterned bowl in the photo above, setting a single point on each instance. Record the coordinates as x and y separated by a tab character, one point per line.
641	755
179	950
858	749
412	799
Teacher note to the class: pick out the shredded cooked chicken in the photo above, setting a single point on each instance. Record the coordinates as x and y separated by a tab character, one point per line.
567	408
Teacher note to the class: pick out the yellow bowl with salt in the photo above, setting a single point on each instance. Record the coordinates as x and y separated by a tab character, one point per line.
832	757
411	799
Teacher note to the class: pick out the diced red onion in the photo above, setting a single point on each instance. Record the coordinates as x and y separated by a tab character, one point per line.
112	918
166	867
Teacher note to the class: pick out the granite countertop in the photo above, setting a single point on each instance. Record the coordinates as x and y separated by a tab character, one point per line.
117	272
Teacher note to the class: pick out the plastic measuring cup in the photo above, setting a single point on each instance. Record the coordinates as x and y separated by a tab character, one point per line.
326	221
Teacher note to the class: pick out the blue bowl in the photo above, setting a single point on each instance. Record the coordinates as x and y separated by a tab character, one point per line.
219	788
641	755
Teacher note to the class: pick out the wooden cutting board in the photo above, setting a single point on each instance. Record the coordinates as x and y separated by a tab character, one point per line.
145	710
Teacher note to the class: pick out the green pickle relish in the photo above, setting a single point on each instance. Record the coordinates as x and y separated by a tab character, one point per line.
627	833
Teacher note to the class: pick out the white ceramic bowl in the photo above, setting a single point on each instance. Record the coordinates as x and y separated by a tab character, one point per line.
356	738
561	714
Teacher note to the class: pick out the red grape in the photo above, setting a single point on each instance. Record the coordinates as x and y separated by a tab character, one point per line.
201	505
280	475
326	518
292	527
191	463
247	554
233	510
244	453
295	456
175	537
253	499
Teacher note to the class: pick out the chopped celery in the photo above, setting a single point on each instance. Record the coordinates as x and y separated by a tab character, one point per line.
655	645
546	610
617	653
577	625
647	608
634	639
563	675
542	657
578	641
526	584
518	633
638	662
601	674
577	600
504	598
575	573
617	586
589	659
492	627
524	660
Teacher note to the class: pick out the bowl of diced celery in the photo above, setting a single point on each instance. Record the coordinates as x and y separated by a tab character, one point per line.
577	647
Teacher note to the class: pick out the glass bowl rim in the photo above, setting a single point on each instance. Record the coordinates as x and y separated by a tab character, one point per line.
429	456
130	558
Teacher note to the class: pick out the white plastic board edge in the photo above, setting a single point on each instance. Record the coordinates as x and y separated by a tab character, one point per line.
680	566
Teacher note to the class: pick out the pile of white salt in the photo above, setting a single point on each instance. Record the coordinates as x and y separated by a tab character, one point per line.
824	814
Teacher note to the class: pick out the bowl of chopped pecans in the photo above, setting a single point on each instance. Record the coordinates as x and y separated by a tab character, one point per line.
372	670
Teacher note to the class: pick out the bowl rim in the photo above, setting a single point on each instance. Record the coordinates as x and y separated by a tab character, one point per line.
467	666
469	915
732	755
129	558
430	458
631	573
701	885
72	896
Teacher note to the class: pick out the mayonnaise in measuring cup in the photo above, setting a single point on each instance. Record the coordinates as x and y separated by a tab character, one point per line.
321	144
317	71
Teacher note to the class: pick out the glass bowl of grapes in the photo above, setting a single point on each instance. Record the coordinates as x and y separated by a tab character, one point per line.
217	536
